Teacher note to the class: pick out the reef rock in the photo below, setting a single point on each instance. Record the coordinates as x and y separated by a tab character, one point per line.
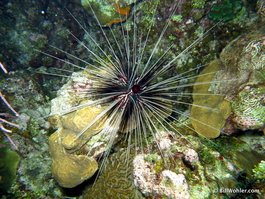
167	184
185	169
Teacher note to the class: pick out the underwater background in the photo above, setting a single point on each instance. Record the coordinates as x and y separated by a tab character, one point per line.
33	30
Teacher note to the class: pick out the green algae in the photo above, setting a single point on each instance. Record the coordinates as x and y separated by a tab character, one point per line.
9	161
156	160
177	18
171	37
259	171
225	10
199	4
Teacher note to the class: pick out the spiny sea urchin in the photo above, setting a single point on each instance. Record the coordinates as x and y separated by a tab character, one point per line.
131	88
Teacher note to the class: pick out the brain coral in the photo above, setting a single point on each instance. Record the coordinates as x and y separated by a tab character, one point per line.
116	179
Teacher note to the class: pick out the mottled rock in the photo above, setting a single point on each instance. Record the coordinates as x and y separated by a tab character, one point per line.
244	59
168	183
249	108
191	155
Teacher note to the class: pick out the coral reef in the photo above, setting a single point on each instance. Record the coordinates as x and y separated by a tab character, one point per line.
34	177
116	178
186	165
203	170
189	169
69	170
239	103
244	60
66	144
207	104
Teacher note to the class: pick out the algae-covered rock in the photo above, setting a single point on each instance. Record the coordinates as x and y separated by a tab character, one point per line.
245	52
244	58
191	167
225	10
9	161
170	184
209	111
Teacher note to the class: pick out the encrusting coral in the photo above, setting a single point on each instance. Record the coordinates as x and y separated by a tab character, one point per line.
67	146
209	111
69	170
239	102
